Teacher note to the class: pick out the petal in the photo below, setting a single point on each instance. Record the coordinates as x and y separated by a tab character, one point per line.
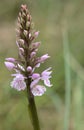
20	76
43	58
35	76
34	82
35	45
18	83
37	65
46	74
36	34
9	65
38	90
10	60
33	54
47	71
47	82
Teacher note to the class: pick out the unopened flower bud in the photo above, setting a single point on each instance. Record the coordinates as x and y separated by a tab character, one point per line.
33	54
36	34
29	18
10	59
35	45
19	19
32	25
25	33
23	14
30	35
9	65
19	25
22	20
21	50
27	24
21	41
24	7
29	69
19	14
21	53
35	76
43	58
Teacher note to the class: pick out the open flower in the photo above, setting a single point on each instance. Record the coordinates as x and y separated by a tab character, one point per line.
45	76
18	82
38	90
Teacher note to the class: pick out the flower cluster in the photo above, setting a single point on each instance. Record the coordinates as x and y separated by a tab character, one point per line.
27	61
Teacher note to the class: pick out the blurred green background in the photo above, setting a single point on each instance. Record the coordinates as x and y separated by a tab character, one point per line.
61	26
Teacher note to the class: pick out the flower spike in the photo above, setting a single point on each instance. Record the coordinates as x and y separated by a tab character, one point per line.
27	62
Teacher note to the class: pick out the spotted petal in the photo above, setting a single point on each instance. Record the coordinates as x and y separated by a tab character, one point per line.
38	90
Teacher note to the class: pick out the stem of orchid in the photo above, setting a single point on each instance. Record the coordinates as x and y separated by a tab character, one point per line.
32	108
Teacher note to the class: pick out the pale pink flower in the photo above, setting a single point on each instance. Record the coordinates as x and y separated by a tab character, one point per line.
37	65
33	54
24	7
29	69
35	76
38	90
18	82
45	76
9	65
21	51
35	45
43	58
36	34
10	59
34	83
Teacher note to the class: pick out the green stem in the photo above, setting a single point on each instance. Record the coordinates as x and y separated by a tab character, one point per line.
32	107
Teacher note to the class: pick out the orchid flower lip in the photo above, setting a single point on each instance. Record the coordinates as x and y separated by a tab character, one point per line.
38	90
18	82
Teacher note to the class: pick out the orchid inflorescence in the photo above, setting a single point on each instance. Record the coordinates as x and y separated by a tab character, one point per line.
27	61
